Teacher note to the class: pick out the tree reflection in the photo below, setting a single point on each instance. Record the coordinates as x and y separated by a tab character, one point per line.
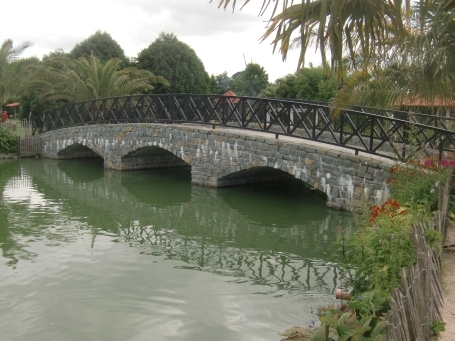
243	234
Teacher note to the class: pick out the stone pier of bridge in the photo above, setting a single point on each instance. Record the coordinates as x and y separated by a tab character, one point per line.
226	157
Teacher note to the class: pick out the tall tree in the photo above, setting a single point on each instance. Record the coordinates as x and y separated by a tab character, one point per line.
251	81
177	62
82	79
220	84
14	72
102	46
338	28
423	71
396	51
306	84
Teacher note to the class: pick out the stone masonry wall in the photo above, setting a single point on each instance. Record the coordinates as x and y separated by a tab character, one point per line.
216	154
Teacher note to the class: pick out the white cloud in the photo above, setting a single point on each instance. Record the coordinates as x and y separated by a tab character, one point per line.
220	38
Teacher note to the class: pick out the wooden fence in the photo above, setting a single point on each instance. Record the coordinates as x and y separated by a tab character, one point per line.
29	146
418	301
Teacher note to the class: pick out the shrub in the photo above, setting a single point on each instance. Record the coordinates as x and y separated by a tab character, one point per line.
381	246
8	142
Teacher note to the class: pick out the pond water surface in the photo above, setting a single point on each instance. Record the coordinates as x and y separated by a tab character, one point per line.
93	254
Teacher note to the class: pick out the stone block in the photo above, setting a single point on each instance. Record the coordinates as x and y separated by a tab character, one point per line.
333	154
284	150
326	159
314	157
310	149
368	176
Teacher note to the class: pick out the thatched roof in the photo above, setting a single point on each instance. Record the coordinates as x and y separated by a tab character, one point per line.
438	102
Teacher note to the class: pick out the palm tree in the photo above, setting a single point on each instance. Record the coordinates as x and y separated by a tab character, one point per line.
14	72
422	70
393	52
339	28
82	79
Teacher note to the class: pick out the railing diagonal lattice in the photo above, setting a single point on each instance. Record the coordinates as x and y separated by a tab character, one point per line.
392	134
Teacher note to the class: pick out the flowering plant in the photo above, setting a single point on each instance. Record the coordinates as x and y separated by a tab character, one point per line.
382	246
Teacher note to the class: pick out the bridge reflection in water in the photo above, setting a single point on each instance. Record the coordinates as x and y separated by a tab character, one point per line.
229	231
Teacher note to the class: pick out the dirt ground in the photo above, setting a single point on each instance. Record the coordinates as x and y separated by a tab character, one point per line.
448	277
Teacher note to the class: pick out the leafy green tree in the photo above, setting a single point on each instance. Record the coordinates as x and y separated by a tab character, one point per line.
269	91
424	71
56	53
286	87
313	84
177	62
82	79
306	84
394	51
339	28
15	73
220	84
33	104
102	46
251	81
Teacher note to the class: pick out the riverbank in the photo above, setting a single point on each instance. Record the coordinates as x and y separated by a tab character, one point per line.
9	156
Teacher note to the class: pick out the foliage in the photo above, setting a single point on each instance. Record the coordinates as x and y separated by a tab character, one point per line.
382	246
269	91
15	73
434	239
306	84
220	84
8	142
102	46
395	52
419	67
177	62
33	105
422	193
341	28
57	53
436	327
82	79
361	319
251	81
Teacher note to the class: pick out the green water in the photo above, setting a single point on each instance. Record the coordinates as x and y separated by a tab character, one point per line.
92	254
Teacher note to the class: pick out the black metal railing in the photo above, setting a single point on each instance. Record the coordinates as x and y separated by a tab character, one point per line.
392	134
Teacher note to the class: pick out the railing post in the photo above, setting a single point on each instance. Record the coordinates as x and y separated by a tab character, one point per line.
341	127
314	124
185	106
405	141
289	118
171	106
371	133
224	111
441	148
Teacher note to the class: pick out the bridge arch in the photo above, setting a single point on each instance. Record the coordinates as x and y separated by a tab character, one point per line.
77	150
226	157
248	174
151	156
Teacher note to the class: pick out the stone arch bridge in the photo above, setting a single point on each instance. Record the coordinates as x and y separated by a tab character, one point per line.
238	140
225	157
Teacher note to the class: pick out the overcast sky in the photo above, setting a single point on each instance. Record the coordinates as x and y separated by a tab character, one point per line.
220	38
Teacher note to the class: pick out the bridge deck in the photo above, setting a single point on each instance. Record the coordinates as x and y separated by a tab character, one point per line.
320	146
